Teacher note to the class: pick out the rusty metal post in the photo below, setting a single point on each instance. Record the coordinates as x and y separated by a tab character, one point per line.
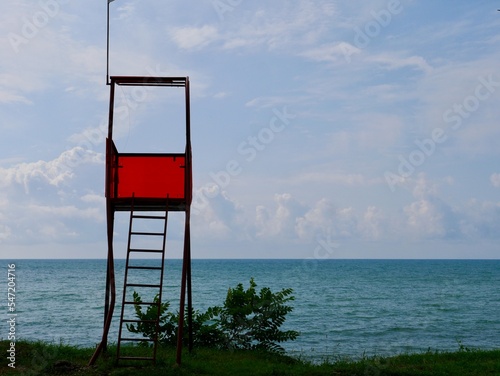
190	297
186	272
111	287
186	258
110	298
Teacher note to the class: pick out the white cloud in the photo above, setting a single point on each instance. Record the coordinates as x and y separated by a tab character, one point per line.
124	11
495	180
372	225
39	201
279	221
276	101
68	211
288	220
333	178
276	26
216	217
9	97
430	216
89	61
221	95
394	61
480	220
5	232
425	219
324	219
54	172
341	51
93	198
194	37
317	220
424	188
38	222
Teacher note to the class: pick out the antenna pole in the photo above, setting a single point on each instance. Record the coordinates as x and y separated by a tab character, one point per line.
107	45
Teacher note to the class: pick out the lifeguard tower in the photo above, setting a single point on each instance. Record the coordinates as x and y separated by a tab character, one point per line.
149	186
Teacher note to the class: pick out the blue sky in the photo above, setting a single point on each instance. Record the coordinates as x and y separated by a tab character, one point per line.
320	129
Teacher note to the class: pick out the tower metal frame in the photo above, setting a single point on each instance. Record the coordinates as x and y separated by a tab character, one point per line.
118	199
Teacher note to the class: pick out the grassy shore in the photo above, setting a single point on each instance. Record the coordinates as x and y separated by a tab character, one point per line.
37	358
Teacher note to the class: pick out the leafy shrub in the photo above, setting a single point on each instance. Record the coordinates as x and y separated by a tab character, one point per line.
251	320
204	333
168	325
247	320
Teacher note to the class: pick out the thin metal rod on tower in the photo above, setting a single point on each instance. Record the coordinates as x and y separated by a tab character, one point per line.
107	45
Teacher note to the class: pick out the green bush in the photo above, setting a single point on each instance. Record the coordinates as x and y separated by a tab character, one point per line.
246	320
251	320
204	333
168	324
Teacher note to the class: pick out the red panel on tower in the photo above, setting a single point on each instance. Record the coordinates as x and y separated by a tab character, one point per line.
150	176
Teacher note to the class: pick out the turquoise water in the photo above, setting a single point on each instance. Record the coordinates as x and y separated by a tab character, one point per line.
342	307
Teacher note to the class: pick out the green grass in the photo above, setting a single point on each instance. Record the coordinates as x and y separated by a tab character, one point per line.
37	358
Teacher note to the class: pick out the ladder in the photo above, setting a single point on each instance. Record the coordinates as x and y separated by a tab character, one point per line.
131	266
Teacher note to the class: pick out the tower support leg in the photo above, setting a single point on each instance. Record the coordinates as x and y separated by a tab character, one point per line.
185	282
109	304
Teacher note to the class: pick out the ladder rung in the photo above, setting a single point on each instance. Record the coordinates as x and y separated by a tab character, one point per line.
137	339
147	233
141	303
146	250
142	285
150	216
145	267
139	321
135	358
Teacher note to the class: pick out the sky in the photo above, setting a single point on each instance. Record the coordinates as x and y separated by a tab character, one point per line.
321	129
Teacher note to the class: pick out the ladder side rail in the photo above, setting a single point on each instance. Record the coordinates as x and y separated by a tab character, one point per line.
160	299
125	279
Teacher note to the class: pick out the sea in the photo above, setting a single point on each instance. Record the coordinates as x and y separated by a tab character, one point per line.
342	308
